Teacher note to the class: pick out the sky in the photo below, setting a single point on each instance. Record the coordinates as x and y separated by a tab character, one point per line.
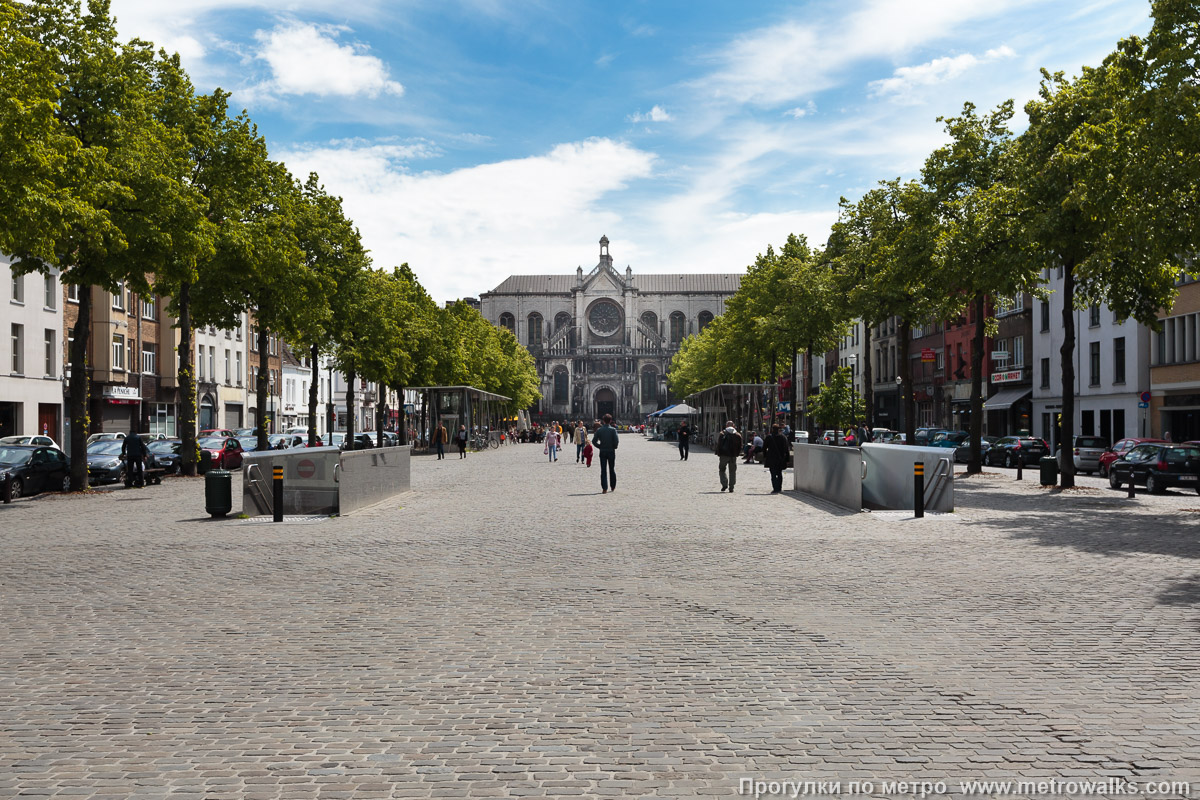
477	139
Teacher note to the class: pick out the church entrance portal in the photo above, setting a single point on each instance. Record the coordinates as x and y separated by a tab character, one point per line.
606	403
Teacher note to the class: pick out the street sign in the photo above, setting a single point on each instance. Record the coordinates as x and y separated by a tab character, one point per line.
1000	355
1145	398
927	354
785	405
1143	405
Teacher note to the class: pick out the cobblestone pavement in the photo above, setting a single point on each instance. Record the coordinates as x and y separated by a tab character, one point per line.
507	631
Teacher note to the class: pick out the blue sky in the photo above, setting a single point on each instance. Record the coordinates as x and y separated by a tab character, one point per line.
476	139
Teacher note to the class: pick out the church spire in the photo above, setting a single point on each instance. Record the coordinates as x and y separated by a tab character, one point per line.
605	258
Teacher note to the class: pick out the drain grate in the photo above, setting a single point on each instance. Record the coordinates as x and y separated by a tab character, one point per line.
287	520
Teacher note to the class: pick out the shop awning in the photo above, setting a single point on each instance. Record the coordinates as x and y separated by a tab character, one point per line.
1003	400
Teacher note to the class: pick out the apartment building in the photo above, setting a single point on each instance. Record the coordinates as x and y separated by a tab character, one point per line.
1112	368
1175	368
1009	407
958	338
885	373
220	369
31	356
927	360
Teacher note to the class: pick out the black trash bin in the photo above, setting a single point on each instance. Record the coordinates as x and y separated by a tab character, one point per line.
205	463
218	492
1049	466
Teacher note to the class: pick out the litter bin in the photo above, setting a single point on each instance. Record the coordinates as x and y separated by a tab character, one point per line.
1049	465
205	462
218	492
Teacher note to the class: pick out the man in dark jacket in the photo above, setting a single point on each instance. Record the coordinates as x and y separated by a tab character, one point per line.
685	440
606	441
729	449
134	451
775	457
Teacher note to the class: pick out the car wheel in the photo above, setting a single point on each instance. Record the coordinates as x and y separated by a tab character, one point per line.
1009	461
1114	481
66	483
15	489
1153	486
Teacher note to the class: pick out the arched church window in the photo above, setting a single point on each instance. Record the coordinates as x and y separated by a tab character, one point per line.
650	320
678	323
703	320
649	385
535	328
507	320
561	395
561	319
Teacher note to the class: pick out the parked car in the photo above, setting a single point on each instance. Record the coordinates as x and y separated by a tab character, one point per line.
1122	447
390	439
37	440
884	436
1085	453
104	461
164	455
962	453
226	451
105	437
800	437
950	439
923	436
226	432
832	437
35	468
241	432
1158	467
286	441
1013	450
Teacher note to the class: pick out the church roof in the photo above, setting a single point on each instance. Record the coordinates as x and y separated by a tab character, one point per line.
703	283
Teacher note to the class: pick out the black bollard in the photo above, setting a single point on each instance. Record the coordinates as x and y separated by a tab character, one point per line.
1020	463
919	488
278	499
1130	484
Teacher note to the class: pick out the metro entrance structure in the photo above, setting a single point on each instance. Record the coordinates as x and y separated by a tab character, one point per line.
603	340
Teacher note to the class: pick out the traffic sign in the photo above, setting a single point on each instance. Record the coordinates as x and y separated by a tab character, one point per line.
1143	405
1145	398
306	468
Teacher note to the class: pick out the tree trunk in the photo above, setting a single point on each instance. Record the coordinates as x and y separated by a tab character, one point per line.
261	385
314	354
975	463
906	383
1067	354
808	421
188	451
401	417
350	378
81	383
795	396
868	378
380	414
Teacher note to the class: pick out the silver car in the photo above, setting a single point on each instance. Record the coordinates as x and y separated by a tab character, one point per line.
1086	453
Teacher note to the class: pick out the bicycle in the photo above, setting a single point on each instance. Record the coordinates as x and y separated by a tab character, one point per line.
483	441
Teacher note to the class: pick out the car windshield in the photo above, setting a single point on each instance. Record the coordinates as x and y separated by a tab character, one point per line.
211	442
14	456
15	440
276	438
1033	442
163	446
110	447
248	442
1091	441
1178	455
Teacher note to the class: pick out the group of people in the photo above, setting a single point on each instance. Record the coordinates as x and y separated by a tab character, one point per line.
441	438
731	447
602	438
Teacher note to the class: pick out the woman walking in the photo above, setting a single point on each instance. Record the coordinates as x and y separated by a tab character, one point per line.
551	448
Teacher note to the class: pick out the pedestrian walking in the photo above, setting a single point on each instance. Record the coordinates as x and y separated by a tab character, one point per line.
551	448
460	439
440	438
685	441
607	440
133	450
775	457
729	447
587	450
580	437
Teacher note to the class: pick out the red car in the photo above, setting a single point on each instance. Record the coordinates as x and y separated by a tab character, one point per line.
1121	448
226	451
223	432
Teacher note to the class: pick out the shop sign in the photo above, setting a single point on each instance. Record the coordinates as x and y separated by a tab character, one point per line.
927	355
121	395
1010	376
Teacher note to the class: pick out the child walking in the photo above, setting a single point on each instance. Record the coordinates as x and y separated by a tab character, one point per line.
587	453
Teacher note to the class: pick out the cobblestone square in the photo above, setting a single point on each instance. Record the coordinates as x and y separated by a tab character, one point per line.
506	630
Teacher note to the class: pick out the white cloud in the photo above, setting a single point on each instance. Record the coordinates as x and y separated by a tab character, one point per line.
656	114
466	230
801	111
907	79
307	59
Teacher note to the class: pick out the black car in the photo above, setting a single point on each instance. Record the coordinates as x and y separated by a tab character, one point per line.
35	469
104	461
1013	450
164	455
962	453
1158	467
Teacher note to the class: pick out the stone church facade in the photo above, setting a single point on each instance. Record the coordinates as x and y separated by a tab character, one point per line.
603	341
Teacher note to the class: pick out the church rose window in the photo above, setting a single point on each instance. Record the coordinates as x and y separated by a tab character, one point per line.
605	318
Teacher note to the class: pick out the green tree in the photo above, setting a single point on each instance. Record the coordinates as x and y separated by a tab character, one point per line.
837	403
107	173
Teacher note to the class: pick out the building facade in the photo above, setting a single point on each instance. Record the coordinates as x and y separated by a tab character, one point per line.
31	394
603	341
1175	368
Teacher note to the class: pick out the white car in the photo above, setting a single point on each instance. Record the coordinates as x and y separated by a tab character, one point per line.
39	440
103	437
800	437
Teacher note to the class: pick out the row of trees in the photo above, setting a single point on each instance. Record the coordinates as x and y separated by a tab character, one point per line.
115	170
1104	184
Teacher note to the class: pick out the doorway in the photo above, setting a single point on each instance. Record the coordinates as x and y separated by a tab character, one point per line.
606	403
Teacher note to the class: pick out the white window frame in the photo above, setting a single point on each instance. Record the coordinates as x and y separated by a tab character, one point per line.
51	342
51	293
149	358
72	293
17	337
118	298
18	290
148	310
118	352
227	369
239	367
